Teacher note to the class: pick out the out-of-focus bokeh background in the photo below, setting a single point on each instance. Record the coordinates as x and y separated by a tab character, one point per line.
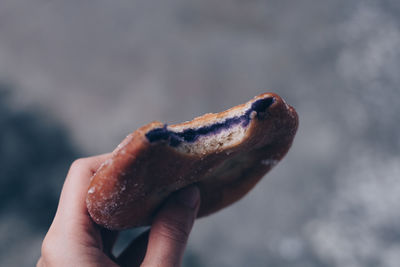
77	76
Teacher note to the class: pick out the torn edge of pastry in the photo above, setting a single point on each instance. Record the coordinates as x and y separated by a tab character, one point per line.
220	133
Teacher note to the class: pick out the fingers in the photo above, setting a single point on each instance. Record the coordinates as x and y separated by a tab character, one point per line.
169	233
73	195
171	228
72	229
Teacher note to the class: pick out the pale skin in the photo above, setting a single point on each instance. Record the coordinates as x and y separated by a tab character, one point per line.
75	240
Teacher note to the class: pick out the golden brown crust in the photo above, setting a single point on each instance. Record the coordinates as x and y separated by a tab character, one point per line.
128	188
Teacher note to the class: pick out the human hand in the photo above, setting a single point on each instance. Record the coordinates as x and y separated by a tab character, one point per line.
75	240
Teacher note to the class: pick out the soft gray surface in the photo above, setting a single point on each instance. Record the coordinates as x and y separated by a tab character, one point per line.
104	68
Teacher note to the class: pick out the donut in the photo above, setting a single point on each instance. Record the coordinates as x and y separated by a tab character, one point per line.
225	154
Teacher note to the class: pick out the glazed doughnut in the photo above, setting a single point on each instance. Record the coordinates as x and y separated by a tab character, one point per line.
224	154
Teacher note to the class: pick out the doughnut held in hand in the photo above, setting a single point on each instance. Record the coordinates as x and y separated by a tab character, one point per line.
224	154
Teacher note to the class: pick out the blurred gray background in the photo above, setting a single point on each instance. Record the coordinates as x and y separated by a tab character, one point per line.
77	76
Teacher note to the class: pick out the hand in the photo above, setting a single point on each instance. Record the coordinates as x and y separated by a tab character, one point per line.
75	240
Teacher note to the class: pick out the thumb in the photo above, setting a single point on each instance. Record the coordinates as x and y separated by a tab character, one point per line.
171	227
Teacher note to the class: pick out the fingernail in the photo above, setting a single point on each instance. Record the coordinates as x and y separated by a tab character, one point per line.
189	196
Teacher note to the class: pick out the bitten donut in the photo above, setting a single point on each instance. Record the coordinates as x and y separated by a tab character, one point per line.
224	154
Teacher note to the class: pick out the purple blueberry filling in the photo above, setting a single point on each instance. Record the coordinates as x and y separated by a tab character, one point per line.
191	135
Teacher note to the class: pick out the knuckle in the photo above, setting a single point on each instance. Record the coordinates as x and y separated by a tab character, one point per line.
78	163
46	249
51	255
40	263
175	230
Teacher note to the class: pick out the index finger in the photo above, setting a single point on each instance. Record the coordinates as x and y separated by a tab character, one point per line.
72	200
